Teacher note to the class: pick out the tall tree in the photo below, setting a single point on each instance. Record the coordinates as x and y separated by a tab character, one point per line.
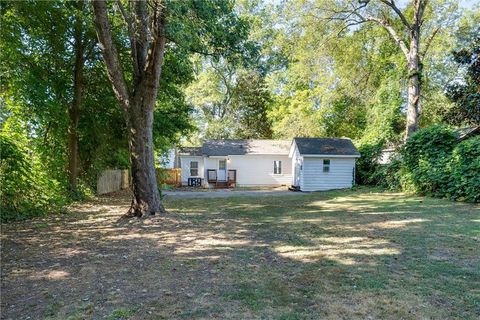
147	39
464	91
250	104
82	47
46	72
405	28
203	27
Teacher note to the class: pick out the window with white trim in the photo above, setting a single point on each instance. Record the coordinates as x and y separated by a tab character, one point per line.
326	165
277	167
193	168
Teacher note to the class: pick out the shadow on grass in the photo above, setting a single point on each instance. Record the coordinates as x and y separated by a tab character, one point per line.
338	254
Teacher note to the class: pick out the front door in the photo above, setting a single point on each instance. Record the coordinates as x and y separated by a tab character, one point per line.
222	170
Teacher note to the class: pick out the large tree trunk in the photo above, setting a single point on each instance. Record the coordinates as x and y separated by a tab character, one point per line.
413	103
74	108
146	197
414	70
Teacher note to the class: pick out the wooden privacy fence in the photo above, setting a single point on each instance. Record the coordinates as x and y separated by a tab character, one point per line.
112	180
169	176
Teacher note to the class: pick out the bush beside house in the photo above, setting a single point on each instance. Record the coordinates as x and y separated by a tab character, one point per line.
432	162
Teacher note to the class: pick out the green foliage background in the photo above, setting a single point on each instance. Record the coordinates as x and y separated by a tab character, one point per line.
239	69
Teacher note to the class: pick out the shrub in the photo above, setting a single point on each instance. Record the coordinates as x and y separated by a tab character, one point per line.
24	190
465	171
426	156
432	162
389	175
367	166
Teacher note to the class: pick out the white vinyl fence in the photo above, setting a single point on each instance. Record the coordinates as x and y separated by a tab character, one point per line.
112	180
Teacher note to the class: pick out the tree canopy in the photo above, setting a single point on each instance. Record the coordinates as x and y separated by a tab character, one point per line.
230	69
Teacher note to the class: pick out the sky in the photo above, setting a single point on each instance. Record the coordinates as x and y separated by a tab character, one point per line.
464	3
469	3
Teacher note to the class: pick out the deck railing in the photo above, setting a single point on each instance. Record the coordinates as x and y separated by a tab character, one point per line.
232	178
211	175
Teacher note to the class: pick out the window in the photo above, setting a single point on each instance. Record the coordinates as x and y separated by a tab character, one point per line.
222	164
326	165
193	168
277	167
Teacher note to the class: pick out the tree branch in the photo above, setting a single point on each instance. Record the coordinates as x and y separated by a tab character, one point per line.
429	42
110	53
393	34
154	60
391	4
131	35
389	28
142	33
419	8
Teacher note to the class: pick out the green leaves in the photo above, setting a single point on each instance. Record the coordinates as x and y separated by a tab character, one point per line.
25	189
367	166
432	162
464	183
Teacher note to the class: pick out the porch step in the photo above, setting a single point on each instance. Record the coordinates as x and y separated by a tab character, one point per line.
221	184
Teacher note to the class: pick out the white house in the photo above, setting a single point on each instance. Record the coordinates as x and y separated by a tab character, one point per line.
240	162
323	163
307	163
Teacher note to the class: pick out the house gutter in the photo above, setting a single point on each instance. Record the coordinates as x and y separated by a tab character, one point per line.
330	155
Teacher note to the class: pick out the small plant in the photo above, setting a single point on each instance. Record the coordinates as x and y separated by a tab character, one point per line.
120	314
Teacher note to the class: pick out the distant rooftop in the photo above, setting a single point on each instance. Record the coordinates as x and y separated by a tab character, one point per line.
467	132
190	151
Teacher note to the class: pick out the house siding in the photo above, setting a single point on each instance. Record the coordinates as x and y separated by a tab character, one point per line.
185	165
314	179
297	162
257	170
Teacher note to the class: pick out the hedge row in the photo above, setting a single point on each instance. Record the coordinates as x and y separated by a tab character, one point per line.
432	162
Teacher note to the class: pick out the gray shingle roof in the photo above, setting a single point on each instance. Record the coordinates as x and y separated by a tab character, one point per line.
230	147
190	151
331	146
467	132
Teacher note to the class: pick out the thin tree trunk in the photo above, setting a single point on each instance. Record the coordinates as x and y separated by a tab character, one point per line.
74	108
73	148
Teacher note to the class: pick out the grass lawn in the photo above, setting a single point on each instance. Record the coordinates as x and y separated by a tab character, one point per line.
342	254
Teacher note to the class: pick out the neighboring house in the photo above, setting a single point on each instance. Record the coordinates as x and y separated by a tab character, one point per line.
307	163
391	152
467	132
167	160
386	156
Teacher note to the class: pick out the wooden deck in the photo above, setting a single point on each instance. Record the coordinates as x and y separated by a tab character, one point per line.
212	178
